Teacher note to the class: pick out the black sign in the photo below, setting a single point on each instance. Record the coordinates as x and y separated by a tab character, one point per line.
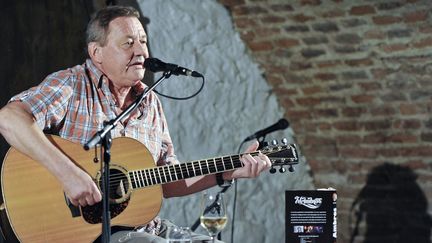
310	216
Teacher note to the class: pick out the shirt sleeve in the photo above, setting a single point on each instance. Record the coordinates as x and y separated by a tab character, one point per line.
48	101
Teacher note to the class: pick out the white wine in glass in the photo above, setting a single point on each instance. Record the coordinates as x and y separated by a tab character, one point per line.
213	213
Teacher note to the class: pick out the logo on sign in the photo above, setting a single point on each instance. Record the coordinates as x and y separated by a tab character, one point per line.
309	202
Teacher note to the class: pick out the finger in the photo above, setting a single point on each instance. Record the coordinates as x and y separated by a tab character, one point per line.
82	202
247	165
97	196
265	159
89	199
74	202
261	164
253	147
253	165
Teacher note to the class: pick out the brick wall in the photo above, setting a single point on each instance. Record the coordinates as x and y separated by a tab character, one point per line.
355	79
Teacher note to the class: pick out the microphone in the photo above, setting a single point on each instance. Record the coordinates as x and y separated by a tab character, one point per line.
156	65
280	125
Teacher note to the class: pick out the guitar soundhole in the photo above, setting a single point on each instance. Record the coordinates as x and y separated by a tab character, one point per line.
119	185
119	197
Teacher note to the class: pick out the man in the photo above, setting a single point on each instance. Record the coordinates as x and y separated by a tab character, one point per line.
73	104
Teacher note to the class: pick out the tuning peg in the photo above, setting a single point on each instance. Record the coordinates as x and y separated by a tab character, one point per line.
284	141
274	142
272	170
291	168
282	169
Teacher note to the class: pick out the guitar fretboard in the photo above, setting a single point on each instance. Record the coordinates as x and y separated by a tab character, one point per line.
169	173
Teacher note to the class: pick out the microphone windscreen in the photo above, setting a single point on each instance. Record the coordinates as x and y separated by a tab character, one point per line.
283	123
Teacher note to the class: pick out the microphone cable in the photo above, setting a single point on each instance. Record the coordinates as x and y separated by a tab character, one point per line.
183	98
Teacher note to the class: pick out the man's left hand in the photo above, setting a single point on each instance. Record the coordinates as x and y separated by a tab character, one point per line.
252	165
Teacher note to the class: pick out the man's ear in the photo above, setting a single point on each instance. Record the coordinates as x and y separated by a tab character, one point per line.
95	52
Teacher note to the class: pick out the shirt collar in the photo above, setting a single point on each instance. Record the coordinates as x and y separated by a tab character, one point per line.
96	75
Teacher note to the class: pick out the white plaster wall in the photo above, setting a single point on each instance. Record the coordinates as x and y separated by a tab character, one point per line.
235	103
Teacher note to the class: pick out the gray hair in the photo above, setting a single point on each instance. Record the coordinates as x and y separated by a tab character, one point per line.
97	28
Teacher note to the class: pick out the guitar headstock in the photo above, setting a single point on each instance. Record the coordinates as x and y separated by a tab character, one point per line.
281	155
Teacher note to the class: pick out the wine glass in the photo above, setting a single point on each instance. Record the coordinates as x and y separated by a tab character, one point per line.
213	213
178	234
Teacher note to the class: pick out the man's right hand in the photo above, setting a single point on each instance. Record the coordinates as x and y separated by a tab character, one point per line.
80	188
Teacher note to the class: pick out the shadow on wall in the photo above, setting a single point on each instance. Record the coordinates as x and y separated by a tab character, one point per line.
393	206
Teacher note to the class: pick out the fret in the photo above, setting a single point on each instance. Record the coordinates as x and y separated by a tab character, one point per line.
237	161
140	178
164	168
206	167
196	164
193	168
137	179
184	171
226	164
161	174
223	163
143	178
158	180
178	172
219	164
174	172
213	169
134	185
153	179
130	175
199	162
169	172
232	163
146	179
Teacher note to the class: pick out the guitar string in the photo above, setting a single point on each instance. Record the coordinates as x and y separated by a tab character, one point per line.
153	178
171	168
234	159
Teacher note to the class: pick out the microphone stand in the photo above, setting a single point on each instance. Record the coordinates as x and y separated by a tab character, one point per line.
103	137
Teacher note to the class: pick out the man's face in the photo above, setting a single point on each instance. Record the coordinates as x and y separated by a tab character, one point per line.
123	56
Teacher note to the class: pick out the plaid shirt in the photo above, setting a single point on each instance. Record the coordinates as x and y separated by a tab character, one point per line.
74	103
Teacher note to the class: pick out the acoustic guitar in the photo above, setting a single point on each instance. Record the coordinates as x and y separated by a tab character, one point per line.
38	211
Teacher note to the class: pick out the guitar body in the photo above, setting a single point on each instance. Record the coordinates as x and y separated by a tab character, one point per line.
35	204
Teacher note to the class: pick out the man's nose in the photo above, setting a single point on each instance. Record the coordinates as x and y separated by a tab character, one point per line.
141	50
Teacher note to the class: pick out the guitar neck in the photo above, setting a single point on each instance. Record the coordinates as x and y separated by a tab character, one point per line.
170	173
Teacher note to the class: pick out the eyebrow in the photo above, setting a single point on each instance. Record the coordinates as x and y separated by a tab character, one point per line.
132	37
